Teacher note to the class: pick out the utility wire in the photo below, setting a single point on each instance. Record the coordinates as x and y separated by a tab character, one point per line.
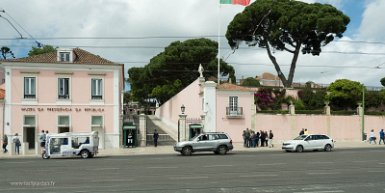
37	42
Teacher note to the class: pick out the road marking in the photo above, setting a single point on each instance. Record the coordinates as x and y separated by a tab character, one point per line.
113	180
320	163
189	177
272	164
376	171
212	166
19	162
326	191
97	169
381	163
164	167
258	175
324	173
363	161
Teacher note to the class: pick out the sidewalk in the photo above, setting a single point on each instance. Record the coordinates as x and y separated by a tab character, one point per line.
238	147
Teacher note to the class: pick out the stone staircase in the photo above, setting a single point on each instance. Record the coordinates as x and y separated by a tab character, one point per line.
166	135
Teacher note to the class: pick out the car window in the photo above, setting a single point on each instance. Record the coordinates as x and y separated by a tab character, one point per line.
203	137
222	136
310	137
301	137
324	137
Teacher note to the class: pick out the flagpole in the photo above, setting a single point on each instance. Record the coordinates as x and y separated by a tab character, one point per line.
219	42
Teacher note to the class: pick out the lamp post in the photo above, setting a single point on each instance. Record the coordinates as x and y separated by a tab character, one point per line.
182	109
363	114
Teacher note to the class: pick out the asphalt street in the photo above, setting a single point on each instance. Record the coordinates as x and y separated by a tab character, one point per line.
349	170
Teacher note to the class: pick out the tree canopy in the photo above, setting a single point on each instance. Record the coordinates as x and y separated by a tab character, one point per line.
287	25
175	68
5	52
382	81
345	94
42	50
250	81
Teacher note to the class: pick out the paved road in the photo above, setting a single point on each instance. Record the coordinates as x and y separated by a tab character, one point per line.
351	171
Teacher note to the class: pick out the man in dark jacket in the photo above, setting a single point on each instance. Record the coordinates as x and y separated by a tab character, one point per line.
156	136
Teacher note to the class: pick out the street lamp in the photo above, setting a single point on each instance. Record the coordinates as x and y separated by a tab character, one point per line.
363	114
182	109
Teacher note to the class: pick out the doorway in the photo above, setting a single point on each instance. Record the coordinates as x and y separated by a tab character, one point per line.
29	136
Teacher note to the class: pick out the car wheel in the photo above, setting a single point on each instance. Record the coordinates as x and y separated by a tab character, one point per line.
216	152
222	150
85	154
328	147
299	148
186	151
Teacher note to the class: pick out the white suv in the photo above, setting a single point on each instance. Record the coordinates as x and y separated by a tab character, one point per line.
218	142
308	143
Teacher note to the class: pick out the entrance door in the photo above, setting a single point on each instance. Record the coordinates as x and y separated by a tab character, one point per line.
30	136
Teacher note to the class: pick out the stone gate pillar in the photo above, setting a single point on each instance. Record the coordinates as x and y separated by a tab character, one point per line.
142	130
182	130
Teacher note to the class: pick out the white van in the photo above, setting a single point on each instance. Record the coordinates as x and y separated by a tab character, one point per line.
71	145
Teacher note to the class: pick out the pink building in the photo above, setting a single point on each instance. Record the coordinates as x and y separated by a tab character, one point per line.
70	90
230	108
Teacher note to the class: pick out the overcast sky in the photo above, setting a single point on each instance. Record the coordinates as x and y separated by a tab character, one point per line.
133	28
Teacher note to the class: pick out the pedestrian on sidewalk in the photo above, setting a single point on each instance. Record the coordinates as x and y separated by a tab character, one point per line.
5	143
382	136
17	143
130	140
271	135
156	137
372	137
302	132
306	132
42	140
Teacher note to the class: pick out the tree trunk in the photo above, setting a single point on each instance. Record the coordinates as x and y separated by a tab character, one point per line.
281	76
294	63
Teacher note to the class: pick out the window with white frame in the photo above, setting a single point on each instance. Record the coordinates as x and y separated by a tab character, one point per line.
63	123
29	87
64	56
97	121
29	120
63	88
96	89
233	103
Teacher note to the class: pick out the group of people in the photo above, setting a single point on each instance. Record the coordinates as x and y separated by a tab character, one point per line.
256	139
373	138
15	140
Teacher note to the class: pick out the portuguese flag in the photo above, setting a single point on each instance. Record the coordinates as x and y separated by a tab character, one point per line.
239	2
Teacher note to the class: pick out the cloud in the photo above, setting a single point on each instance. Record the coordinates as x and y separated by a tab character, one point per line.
179	20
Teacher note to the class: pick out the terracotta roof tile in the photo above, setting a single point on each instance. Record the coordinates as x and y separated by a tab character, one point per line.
233	87
80	57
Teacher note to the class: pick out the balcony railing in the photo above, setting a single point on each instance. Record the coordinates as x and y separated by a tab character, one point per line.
232	112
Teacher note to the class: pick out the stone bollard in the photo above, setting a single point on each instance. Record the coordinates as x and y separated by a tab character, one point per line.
24	148
37	148
11	148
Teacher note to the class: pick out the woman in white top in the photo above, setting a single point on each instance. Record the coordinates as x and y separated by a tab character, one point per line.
372	137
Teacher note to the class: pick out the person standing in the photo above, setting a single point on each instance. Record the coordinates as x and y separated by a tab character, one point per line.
247	136
382	136
5	143
42	139
17	143
130	140
302	132
372	137
271	135
306	132
156	137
